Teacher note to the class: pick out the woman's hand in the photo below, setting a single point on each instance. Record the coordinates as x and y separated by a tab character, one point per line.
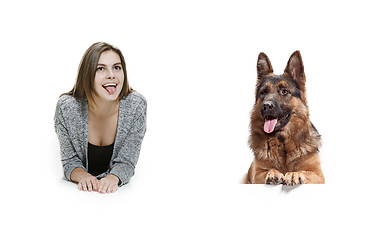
108	184
88	183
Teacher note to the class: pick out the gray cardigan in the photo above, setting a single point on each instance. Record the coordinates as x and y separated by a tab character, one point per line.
71	126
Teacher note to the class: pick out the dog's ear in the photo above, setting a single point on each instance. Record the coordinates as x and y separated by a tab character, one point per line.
295	69
263	65
263	68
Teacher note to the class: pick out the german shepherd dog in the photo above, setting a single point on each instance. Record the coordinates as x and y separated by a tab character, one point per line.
284	141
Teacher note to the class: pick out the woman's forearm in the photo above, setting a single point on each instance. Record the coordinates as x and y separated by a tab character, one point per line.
78	173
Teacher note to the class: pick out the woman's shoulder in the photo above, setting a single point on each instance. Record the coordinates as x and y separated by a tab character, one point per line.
68	102
135	99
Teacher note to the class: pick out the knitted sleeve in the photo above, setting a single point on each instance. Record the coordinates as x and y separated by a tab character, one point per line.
124	164
69	157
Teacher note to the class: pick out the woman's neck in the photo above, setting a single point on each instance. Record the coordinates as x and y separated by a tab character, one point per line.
103	109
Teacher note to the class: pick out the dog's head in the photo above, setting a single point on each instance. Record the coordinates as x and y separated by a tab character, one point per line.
280	99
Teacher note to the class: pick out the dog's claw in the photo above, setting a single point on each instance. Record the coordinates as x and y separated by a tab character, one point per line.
294	178
274	177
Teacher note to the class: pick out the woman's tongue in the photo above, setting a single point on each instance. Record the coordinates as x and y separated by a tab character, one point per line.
111	90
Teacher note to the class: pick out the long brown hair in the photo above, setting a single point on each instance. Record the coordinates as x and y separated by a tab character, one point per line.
87	71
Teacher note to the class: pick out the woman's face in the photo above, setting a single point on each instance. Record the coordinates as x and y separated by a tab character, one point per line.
109	76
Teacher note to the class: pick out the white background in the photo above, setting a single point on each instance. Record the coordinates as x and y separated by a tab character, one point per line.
195	62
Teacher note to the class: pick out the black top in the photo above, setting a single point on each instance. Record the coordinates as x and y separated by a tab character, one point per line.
99	158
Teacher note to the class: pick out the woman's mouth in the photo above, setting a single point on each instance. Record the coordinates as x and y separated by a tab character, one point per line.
110	88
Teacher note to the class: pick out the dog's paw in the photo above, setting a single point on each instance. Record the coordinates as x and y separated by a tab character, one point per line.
274	177
294	178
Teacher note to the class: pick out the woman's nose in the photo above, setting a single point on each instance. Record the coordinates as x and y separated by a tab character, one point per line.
110	74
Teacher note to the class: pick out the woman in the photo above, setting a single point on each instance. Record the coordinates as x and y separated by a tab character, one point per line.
100	123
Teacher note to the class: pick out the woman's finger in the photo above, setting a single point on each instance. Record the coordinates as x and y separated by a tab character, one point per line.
83	185
105	187
115	188
89	185
95	184
110	188
101	185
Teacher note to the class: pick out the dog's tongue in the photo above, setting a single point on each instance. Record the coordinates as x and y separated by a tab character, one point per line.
111	90
270	125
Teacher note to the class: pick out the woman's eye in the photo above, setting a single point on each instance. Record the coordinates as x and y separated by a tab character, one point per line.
118	67
100	69
284	92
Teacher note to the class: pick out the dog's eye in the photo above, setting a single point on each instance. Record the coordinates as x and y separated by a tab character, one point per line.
284	92
263	91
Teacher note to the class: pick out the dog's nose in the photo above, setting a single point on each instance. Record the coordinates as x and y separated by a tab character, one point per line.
267	106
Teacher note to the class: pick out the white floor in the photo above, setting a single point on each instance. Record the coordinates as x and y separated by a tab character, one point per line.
167	211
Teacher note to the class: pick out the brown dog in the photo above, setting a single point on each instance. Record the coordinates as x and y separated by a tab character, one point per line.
284	141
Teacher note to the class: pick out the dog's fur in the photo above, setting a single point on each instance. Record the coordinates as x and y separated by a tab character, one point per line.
289	154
